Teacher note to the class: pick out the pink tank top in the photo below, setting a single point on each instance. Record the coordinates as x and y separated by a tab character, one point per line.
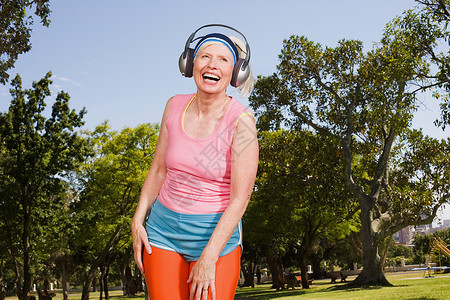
198	169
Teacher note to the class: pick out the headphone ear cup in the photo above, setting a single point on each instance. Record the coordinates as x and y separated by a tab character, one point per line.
240	75
186	62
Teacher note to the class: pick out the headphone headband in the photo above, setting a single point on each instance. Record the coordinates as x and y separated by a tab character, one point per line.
191	39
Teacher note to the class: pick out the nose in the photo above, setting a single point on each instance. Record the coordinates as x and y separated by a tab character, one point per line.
212	63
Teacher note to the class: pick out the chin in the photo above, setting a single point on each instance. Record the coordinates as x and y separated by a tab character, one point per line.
211	89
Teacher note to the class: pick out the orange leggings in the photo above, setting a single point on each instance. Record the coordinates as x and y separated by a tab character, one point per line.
167	272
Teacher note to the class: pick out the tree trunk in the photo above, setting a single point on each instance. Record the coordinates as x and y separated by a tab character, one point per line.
101	282
138	279
26	287
134	283
105	282
372	273
304	272
317	269
2	285
87	284
128	282
248	274
276	268
64	278
13	257
121	270
99	261
387	244
258	274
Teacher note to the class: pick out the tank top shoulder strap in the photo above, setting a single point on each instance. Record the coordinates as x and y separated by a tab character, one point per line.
177	107
236	111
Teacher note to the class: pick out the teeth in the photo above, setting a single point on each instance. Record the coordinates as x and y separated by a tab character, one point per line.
211	76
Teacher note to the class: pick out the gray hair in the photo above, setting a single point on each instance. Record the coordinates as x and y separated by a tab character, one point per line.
246	87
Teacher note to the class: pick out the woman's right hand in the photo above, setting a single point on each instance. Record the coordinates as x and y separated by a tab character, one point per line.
140	241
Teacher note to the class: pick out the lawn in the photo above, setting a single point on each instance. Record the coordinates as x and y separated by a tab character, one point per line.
410	285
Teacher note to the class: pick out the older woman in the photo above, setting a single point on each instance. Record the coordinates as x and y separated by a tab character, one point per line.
201	179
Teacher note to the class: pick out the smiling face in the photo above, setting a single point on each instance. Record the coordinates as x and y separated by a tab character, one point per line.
213	68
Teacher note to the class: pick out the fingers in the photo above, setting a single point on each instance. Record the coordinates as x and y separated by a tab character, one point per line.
137	248
140	241
204	293
138	259
213	291
144	239
201	291
200	288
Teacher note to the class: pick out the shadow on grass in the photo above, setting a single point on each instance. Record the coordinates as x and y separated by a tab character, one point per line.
351	288
265	292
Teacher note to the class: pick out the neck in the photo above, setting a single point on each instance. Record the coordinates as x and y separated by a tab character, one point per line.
210	103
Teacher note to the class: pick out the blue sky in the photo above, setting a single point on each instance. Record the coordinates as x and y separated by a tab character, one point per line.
119	59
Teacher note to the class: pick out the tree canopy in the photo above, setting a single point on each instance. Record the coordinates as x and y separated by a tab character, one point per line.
15	30
111	183
367	102
37	152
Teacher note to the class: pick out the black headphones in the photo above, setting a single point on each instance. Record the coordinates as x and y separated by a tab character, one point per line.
241	69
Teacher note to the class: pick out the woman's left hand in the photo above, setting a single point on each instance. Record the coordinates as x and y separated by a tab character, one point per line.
202	279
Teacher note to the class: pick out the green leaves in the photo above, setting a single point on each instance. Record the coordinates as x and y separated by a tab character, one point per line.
299	196
367	100
421	177
113	177
15	30
37	154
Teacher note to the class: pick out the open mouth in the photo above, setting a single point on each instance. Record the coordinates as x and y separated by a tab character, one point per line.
211	77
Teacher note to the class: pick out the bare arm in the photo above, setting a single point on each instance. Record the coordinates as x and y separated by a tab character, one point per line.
149	192
244	165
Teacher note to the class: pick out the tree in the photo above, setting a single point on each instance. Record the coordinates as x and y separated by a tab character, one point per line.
366	101
15	30
298	197
111	184
36	154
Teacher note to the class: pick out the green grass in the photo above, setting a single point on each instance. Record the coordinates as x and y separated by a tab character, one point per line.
411	285
406	286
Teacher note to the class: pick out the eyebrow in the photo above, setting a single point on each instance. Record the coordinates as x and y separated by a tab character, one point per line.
204	51
216	40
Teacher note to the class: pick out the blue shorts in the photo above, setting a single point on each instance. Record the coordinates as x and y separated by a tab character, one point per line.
186	234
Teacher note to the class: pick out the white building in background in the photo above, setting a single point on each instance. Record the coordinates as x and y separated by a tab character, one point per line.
423	228
446	224
404	236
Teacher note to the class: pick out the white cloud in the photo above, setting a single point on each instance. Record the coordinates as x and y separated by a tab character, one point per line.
65	79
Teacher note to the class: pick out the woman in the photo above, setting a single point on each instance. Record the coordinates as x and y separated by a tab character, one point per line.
200	181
